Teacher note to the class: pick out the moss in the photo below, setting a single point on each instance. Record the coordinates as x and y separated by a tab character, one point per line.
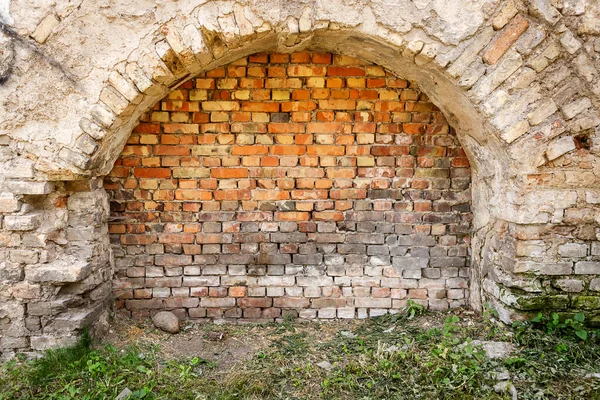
543	302
586	302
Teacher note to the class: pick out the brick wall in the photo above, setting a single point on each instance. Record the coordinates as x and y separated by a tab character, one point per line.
305	183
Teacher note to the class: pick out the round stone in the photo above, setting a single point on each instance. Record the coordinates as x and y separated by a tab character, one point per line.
166	321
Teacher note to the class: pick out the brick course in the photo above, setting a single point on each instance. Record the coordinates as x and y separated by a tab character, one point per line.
268	185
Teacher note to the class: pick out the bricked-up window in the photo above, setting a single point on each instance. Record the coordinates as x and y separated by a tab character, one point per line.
305	183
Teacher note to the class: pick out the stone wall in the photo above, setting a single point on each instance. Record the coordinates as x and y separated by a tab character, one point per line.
304	183
517	81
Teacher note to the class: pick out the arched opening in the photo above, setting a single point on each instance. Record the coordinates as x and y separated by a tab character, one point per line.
308	183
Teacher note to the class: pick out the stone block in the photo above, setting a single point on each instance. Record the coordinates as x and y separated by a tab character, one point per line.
9	203
28	187
65	270
587	268
570	285
573	250
545	10
26	222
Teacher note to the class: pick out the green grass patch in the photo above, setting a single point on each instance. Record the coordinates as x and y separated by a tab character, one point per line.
411	355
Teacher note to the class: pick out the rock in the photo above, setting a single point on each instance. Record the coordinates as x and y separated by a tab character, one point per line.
65	270
326	365
166	321
501	375
125	393
495	349
506	386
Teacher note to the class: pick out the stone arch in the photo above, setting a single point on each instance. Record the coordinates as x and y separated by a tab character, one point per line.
516	80
322	174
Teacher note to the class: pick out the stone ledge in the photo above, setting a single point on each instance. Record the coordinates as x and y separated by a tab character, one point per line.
27	187
61	271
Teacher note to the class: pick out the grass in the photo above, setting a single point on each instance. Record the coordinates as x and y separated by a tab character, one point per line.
411	355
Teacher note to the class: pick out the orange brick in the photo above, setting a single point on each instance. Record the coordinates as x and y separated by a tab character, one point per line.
171	150
181	194
288	106
276	58
304	138
237	291
301	57
304	70
256	71
413	129
292	216
260	107
147	128
236	72
348	193
285	127
152	173
228	173
259	58
328	216
507	38
232	194
203	83
269	161
340	173
337	104
324	150
345	71
288	150
270	195
301	94
249	150
321	58
251	83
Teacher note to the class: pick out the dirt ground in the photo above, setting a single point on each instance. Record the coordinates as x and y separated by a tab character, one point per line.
226	344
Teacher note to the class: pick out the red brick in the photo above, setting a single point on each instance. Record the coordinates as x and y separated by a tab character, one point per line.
321	58
259	58
261	302
507	38
176	238
345	71
147	128
152	173
138	239
413	129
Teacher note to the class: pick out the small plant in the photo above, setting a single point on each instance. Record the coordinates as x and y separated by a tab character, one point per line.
568	326
414	309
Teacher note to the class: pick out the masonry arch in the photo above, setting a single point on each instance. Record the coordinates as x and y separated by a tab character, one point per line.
492	169
304	183
516	85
